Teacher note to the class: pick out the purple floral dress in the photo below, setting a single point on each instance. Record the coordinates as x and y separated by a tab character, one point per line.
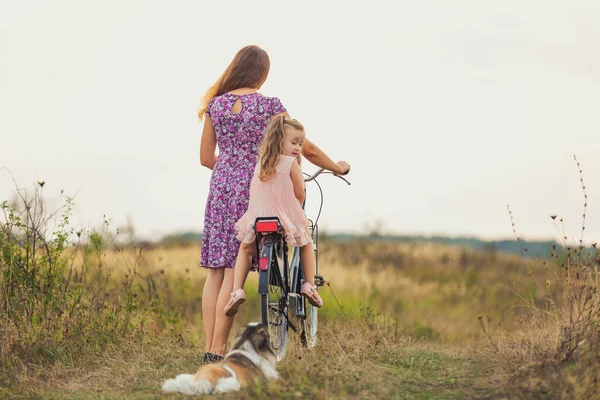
238	137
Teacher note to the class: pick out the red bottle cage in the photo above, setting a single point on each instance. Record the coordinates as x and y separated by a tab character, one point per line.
263	263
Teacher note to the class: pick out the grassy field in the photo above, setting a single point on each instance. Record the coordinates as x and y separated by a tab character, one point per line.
414	321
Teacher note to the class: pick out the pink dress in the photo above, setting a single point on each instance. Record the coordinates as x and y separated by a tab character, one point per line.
275	198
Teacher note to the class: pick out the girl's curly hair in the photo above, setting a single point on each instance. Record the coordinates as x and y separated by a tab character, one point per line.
272	144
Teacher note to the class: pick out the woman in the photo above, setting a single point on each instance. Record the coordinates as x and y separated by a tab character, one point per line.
236	119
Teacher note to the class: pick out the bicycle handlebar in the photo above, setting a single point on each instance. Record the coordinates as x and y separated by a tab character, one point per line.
324	171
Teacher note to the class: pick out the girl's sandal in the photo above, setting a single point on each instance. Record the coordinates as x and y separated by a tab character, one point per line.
310	292
238	297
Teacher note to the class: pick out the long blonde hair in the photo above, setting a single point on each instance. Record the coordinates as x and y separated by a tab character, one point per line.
249	68
272	144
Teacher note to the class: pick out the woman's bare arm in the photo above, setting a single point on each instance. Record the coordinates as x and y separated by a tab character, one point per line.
208	145
318	157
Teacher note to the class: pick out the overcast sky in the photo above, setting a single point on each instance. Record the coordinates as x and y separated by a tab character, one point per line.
447	111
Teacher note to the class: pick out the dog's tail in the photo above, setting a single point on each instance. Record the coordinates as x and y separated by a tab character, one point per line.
185	383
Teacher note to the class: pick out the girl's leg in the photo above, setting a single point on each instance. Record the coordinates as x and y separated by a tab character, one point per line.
210	293
239	274
243	264
309	262
309	268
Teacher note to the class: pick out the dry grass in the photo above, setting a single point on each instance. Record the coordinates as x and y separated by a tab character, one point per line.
555	354
430	291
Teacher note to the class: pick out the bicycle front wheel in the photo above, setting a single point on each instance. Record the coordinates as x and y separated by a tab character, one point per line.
308	336
273	298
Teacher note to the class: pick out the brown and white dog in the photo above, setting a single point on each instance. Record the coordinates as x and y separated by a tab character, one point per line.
251	359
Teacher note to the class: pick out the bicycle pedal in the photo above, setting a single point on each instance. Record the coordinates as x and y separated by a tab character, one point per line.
294	300
297	304
319	280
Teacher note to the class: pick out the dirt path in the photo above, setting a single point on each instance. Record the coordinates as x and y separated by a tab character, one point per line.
346	365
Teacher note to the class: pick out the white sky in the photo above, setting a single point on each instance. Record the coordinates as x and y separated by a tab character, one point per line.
447	111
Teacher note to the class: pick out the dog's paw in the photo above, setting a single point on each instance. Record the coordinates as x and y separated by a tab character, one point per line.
227	385
170	386
271	373
186	384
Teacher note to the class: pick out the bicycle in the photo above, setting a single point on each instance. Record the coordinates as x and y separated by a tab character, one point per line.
280	281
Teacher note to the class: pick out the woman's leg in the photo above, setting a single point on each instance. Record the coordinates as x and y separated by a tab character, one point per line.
210	293
223	323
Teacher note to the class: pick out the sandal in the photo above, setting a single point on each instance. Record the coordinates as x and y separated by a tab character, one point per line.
211	357
310	292
238	297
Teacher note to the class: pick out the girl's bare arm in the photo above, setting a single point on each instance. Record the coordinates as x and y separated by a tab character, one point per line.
298	181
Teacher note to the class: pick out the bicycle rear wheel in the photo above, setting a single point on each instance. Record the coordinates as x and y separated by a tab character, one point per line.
273	296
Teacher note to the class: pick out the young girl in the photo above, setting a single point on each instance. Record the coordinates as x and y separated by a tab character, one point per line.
276	189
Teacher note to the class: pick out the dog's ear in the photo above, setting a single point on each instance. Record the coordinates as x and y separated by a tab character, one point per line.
261	329
240	338
245	335
261	340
